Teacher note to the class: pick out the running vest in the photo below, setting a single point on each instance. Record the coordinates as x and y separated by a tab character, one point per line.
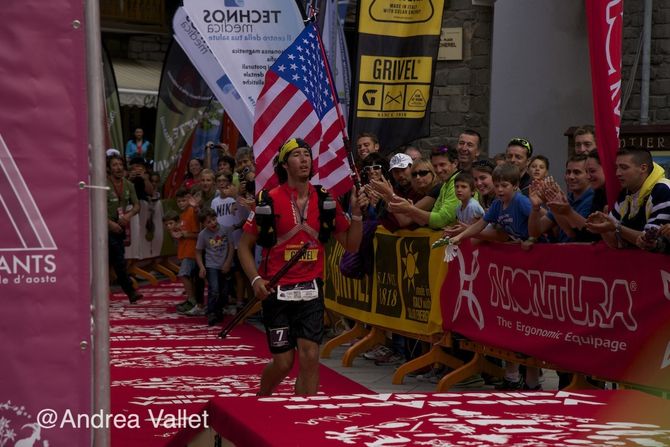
265	217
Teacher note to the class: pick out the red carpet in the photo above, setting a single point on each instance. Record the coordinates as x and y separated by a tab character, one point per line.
165	368
484	419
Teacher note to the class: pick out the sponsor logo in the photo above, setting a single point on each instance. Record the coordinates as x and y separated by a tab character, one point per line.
26	243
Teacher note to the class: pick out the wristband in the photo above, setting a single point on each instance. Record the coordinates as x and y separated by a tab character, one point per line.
357	218
256	278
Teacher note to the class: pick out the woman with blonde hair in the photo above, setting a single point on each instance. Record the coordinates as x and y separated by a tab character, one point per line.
424	179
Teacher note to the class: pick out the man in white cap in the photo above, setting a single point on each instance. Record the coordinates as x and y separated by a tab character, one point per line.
401	171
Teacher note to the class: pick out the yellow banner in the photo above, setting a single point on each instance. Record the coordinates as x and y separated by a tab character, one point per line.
404	292
394	87
401	18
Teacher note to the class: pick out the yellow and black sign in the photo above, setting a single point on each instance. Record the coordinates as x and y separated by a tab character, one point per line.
401	18
402	294
394	87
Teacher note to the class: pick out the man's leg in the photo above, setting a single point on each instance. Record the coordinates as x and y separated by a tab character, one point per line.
118	261
276	371
308	376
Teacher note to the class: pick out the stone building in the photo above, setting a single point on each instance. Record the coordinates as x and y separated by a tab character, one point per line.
524	70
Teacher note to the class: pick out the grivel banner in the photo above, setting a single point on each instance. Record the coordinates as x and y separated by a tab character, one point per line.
397	47
45	322
605	23
585	308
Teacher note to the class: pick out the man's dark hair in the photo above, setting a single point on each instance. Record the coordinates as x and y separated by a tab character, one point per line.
640	156
474	133
584	130
280	170
373	159
507	173
369	135
115	157
227	159
444	151
576	158
205	213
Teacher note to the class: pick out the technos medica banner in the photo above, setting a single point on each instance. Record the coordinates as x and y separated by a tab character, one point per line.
246	36
45	322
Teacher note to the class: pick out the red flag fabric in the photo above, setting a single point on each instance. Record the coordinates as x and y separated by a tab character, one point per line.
297	100
605	22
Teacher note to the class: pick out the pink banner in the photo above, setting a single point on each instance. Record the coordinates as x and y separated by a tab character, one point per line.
585	308
45	340
605	22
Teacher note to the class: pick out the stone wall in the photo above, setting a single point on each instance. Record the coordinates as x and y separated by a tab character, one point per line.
659	90
461	91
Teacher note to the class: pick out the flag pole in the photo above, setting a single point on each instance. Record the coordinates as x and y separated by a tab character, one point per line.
99	250
347	144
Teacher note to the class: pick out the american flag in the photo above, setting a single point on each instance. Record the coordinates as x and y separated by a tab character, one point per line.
297	102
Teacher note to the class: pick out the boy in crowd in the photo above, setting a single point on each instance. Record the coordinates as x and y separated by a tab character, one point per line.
231	215
508	214
469	210
214	255
186	235
509	217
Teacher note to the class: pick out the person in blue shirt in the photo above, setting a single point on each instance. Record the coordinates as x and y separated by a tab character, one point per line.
507	218
137	146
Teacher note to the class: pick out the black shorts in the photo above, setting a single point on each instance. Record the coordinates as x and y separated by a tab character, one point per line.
287	321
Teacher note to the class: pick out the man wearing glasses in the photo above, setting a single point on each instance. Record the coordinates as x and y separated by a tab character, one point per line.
443	212
400	167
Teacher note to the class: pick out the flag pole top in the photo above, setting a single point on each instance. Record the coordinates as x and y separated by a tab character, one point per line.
312	13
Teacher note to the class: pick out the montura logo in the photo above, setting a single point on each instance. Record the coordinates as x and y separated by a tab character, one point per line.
466	292
23	227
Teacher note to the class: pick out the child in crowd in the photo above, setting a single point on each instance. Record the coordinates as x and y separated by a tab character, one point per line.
469	211
228	215
508	214
508	217
205	190
186	235
538	167
214	255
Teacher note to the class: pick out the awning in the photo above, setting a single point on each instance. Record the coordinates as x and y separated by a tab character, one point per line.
137	82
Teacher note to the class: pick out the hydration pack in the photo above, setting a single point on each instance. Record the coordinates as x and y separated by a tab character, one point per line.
266	217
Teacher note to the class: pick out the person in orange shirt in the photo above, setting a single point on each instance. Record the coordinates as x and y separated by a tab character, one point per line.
186	235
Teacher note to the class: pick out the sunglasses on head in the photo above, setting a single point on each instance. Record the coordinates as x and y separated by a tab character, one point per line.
421	173
523	143
373	168
440	150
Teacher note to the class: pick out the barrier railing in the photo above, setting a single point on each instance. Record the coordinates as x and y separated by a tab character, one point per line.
579	308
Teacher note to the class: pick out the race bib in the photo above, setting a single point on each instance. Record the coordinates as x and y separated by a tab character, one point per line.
304	291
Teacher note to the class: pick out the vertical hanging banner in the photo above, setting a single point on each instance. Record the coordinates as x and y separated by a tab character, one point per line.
183	98
605	23
246	37
114	135
45	323
337	53
397	47
197	50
